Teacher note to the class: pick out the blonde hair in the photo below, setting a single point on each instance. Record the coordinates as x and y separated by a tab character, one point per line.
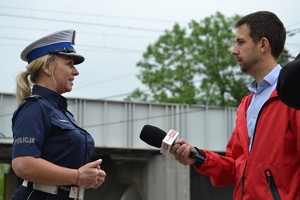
26	79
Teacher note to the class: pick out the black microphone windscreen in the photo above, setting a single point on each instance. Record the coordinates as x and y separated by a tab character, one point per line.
152	135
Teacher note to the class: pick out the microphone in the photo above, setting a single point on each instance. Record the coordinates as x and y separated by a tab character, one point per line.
156	137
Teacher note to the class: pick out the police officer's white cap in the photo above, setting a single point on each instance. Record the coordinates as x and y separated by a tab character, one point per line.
60	42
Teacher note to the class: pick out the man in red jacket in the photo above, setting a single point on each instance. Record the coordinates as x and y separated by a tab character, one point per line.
263	154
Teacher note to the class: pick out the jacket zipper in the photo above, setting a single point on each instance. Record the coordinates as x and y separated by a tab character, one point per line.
271	185
243	181
243	176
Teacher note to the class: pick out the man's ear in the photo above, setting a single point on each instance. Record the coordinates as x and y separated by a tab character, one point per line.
265	45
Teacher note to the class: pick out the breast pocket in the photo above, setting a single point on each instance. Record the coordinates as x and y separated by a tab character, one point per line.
60	137
63	124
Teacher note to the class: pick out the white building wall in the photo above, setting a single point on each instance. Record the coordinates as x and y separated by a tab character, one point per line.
117	124
167	179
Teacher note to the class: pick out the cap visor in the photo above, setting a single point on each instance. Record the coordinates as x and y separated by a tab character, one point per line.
77	58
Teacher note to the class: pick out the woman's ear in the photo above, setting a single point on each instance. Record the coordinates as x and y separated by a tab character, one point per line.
47	69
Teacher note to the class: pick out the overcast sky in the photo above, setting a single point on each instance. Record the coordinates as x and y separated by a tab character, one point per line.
113	34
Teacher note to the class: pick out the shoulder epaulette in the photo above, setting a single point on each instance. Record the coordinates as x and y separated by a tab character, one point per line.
29	98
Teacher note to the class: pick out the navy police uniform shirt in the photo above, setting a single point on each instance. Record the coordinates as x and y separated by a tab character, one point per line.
44	128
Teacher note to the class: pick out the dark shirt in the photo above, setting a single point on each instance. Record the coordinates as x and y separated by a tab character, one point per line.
44	128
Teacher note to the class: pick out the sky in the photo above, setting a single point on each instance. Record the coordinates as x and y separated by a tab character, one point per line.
112	35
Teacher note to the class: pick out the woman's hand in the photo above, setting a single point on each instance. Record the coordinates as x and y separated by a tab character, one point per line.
91	175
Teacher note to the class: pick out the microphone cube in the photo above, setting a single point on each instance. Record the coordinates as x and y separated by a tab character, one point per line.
168	141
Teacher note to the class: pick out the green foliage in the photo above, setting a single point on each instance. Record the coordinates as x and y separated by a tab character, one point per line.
284	58
222	82
1	186
3	169
193	65
167	70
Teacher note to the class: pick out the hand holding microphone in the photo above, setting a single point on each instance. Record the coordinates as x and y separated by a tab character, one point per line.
169	143
182	152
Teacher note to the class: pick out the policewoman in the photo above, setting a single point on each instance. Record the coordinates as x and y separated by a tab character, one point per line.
51	153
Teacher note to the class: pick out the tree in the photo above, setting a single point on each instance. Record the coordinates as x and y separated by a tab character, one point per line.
168	70
223	83
193	65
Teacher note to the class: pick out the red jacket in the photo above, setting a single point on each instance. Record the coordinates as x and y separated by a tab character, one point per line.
272	168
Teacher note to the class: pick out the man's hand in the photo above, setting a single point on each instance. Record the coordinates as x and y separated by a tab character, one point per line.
181	150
